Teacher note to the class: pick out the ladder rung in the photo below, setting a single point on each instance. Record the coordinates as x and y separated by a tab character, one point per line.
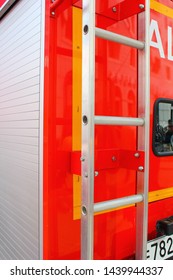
104	34
119	202
104	120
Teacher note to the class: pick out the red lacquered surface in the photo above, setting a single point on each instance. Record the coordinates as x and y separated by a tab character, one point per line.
58	218
161	168
2	2
161	87
116	95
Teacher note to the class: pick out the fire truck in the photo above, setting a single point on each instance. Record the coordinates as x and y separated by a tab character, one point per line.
86	125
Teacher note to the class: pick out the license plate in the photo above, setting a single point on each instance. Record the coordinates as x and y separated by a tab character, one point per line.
160	248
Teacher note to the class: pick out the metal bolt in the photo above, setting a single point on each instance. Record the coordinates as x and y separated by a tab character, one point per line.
114	9
141	6
140	168
82	159
113	158
52	13
96	173
86	175
137	155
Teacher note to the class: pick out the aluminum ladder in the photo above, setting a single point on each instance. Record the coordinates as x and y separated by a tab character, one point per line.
89	120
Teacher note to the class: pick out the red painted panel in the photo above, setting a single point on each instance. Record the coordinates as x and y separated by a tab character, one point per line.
158	210
161	68
58	203
161	87
2	2
116	94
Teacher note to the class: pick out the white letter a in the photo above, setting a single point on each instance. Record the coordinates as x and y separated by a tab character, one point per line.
158	44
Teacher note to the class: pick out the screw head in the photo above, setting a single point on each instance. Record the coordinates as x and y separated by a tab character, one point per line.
52	13
113	158
114	9
140	168
96	173
86	175
82	159
137	155
141	6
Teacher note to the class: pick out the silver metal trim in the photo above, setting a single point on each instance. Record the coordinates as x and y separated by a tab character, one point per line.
119	202
88	101
104	120
107	35
6	6
41	136
143	132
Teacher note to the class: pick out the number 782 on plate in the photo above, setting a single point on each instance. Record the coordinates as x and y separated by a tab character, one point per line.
160	248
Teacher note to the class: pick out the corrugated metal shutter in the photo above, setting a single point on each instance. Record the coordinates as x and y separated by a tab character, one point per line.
20	57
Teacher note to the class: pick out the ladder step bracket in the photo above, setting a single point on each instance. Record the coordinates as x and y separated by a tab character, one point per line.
126	9
124	121
119	202
117	38
109	159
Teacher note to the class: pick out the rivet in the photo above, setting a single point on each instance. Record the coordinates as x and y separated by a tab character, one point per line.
114	9
113	158
137	155
141	6
82	159
96	173
140	168
52	13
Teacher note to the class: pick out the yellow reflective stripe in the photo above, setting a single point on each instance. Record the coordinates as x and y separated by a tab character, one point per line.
77	80
76	103
153	197
160	8
160	194
76	197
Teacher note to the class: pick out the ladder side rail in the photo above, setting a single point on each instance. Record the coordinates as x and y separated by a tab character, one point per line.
88	104
117	38
143	132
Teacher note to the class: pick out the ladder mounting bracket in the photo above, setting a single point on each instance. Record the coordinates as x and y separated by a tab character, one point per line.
110	159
